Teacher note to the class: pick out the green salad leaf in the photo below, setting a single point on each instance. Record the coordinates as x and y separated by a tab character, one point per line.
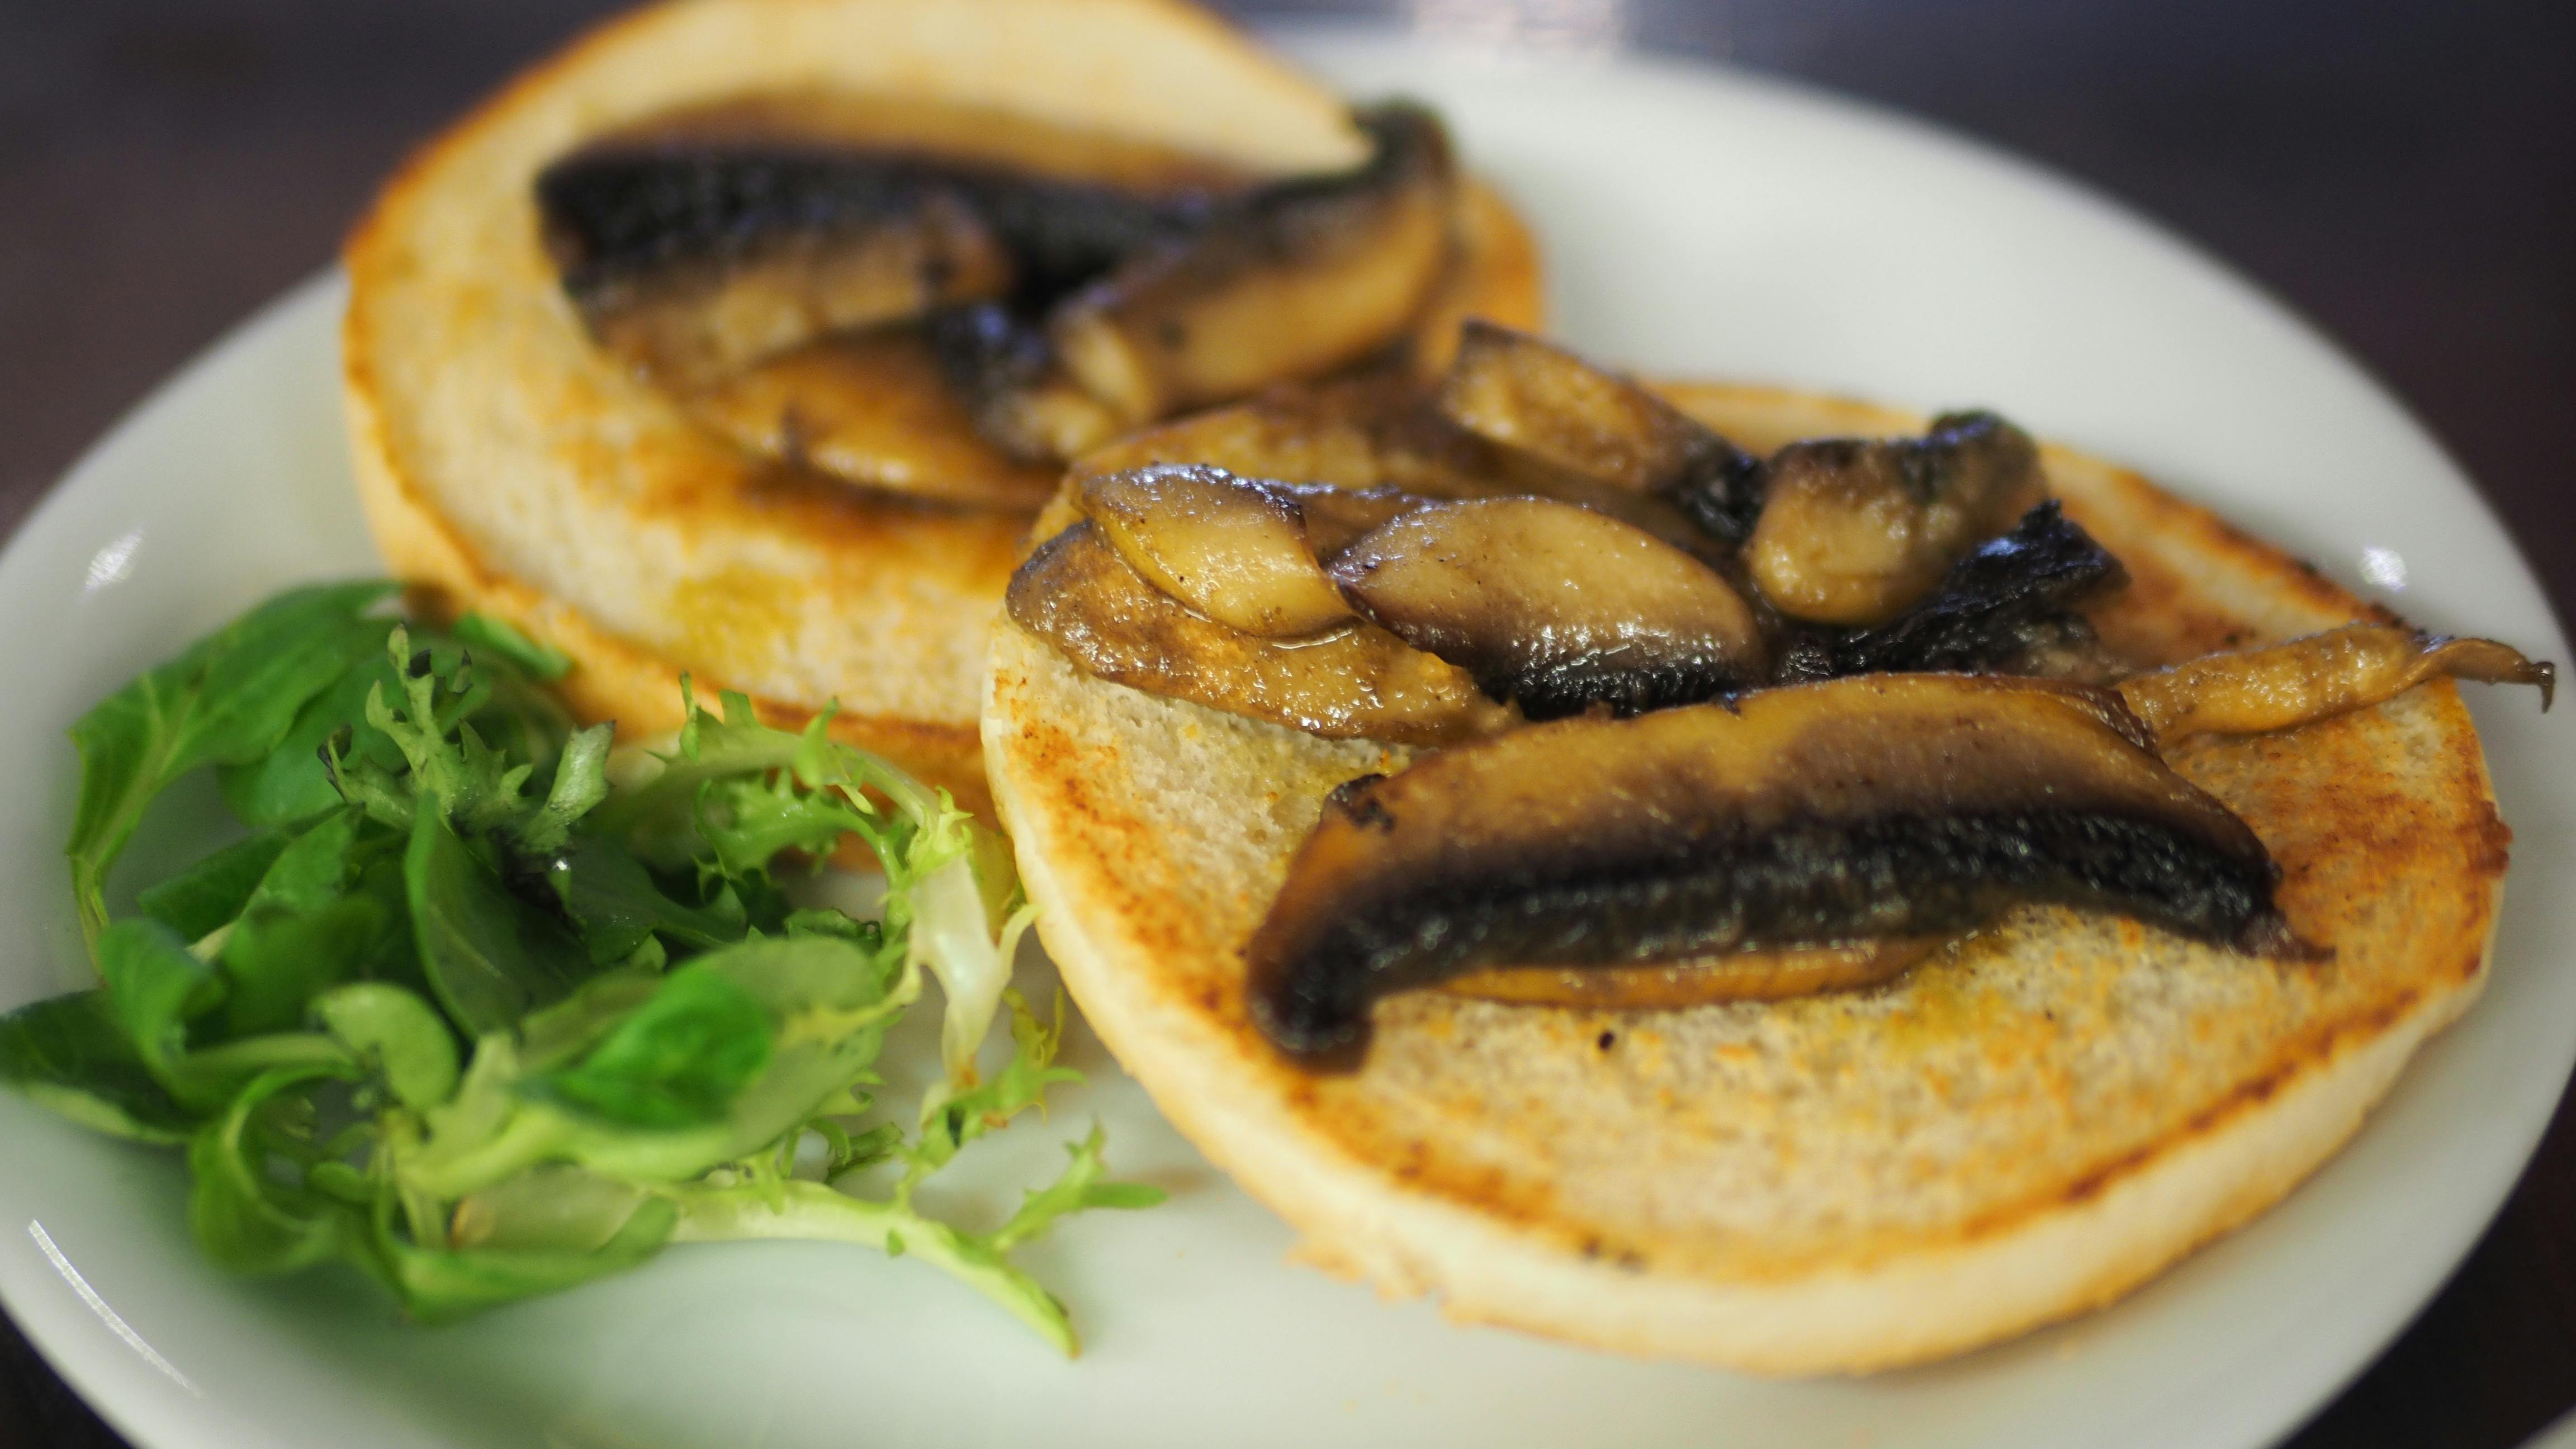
207	895
501	637
490	954
463	1013
679	1060
72	1054
228	700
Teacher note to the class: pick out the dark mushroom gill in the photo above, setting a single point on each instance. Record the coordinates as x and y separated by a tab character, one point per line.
2008	607
1874	807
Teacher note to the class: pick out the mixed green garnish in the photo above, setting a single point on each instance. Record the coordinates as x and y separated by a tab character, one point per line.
489	1009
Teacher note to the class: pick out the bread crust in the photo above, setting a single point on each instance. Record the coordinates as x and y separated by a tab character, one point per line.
2023	1128
509	465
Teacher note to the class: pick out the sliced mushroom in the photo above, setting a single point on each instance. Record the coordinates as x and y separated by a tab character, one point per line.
703	241
1231	548
1362	432
873	408
2286	685
1853	530
1358	682
1877	807
1071	285
1374	431
1336	518
692	266
2009	605
1301	278
1513	389
1555	607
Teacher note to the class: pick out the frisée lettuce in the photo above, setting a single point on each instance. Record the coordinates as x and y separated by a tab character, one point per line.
488	1008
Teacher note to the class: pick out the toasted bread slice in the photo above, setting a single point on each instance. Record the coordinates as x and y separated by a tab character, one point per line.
2024	1126
510	465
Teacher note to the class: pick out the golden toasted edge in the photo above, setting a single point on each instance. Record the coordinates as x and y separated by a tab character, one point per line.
2058	1258
612	678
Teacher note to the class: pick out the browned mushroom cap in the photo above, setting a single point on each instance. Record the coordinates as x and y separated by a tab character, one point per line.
698	241
1555	607
1374	431
1361	682
1231	548
690	316
1513	389
1880	806
1853	530
707	241
1302	278
875	409
2286	685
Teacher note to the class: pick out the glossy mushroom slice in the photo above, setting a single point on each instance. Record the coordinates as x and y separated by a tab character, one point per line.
1369	431
693	264
1231	548
876	409
706	241
1877	807
1555	607
1513	389
1336	518
2009	606
1299	279
1076	593
1246	442
1853	530
2281	686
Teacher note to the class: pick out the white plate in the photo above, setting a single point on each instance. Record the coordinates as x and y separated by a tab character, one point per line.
1696	222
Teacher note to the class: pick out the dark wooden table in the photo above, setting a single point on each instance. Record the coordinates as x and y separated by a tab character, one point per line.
2403	173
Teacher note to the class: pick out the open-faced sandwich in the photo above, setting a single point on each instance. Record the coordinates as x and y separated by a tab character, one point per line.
1697	870
744	337
1719	873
